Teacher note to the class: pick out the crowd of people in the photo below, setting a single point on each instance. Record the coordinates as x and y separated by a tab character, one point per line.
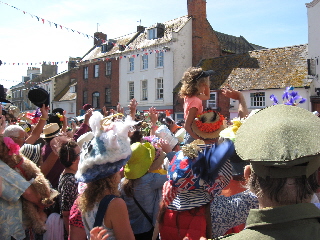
146	176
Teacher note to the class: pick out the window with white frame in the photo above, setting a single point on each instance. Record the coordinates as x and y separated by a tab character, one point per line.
212	102
108	95
131	90
131	64
258	99
144	60
144	90
71	107
96	71
159	59
159	88
108	68
96	99
152	33
85	72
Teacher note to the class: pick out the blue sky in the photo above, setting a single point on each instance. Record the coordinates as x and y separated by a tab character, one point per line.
23	39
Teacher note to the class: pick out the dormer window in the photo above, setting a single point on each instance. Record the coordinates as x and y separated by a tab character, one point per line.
156	32
152	33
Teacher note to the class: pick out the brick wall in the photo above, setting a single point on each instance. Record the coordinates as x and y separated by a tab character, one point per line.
205	43
99	84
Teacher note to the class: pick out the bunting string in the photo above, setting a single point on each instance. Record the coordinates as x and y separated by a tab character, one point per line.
56	25
81	62
33	63
59	26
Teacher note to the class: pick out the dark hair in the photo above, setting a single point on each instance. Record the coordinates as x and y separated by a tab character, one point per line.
136	136
53	118
276	189
67	153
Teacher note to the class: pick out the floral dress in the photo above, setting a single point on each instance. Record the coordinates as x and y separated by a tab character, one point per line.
68	189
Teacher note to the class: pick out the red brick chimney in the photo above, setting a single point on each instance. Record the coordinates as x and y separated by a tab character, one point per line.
197	8
98	36
205	43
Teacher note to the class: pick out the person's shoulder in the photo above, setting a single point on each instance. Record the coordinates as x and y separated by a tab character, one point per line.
117	205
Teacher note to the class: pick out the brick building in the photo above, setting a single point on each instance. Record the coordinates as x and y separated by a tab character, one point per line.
98	80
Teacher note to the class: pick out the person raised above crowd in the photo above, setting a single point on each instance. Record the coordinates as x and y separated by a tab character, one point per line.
195	88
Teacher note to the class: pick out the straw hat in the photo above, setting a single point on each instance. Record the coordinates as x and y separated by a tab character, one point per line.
50	130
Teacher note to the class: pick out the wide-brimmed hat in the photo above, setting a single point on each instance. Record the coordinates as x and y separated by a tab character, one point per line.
208	124
86	137
140	161
39	96
180	134
32	152
107	152
281	141
193	168
50	130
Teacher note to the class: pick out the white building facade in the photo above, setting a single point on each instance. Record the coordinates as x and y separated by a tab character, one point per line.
150	73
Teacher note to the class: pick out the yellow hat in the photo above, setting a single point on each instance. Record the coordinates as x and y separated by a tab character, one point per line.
140	161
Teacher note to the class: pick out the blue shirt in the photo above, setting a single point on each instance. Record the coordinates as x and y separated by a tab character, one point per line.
12	186
147	191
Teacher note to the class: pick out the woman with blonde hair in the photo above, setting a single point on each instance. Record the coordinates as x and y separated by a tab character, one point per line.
100	162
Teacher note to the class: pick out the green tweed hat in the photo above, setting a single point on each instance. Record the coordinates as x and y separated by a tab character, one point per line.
140	161
281	141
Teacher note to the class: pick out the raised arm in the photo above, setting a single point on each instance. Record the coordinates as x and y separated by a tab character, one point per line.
153	119
229	92
35	135
47	165
133	108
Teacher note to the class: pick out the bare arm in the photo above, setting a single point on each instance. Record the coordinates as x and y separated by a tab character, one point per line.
118	213
33	196
133	108
229	92
47	165
191	116
2	121
35	135
153	119
205	93
65	124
